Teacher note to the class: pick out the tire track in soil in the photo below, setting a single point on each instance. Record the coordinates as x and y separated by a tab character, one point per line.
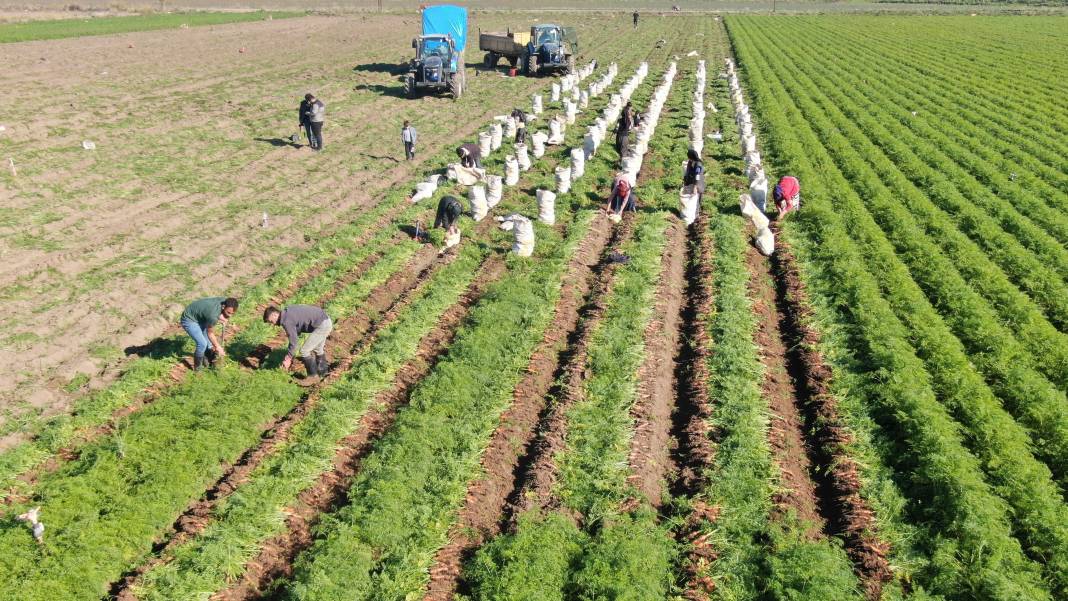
536	472
690	422
480	517
181	370
275	559
652	460
849	515
354	335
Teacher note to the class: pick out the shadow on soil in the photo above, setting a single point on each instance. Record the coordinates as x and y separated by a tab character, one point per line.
395	90
391	68
279	142
158	348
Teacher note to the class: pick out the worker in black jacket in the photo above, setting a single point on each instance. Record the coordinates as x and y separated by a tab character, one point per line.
470	155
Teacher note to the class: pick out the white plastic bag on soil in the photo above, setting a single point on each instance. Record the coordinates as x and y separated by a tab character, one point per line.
578	163
758	190
522	157
555	96
452	239
424	190
745	204
538	140
584	99
765	241
589	146
546	207
523	244
535	104
479	206
511	171
509	127
485	143
496	135
556	131
563	180
494	190
570	110
689	198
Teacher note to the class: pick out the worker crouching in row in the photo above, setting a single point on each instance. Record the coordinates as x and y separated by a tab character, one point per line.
304	319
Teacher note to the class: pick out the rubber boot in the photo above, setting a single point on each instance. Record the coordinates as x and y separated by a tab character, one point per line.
198	362
311	365
323	365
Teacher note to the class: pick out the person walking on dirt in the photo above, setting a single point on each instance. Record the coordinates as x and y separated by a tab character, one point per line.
520	126
635	15
409	136
199	319
787	195
304	319
470	155
312	113
691	174
623	127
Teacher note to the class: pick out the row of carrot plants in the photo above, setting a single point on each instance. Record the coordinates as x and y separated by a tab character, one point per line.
964	533
403	502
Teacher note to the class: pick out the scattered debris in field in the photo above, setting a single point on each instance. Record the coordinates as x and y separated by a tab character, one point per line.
691	53
661	43
11	163
86	144
36	526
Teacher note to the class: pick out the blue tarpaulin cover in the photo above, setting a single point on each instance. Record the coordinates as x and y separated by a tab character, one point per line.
447	19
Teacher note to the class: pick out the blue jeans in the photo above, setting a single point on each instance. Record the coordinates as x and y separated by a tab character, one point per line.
198	335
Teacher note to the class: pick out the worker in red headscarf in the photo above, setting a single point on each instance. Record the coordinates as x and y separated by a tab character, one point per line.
787	195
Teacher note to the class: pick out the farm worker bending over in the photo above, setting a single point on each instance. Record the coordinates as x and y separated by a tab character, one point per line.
199	319
520	126
787	195
409	136
622	198
312	113
449	211
304	319
470	155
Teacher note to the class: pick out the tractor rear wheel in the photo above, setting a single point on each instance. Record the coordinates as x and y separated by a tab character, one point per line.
570	65
513	61
409	86
456	85
532	64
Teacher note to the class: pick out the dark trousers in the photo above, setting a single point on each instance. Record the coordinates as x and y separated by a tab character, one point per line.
409	151
622	141
315	134
521	135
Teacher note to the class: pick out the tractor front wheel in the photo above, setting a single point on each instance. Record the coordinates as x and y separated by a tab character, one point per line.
409	86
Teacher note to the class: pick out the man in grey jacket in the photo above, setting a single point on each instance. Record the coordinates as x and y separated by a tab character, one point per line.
312	112
409	136
304	319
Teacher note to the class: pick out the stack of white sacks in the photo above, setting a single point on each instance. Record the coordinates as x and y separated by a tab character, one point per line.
754	203
690	198
633	156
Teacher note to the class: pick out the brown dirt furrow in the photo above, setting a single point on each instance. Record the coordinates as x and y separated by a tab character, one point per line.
480	517
651	461
695	451
796	489
850	516
328	492
351	337
536	473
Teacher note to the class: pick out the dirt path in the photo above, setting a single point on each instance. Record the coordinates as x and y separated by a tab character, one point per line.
651	459
480	517
536	471
276	558
850	515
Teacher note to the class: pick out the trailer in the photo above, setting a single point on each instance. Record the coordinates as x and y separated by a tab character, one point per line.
544	48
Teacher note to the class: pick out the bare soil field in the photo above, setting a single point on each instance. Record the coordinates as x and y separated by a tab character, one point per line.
101	248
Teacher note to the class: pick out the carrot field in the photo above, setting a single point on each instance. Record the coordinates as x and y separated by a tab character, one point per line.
641	410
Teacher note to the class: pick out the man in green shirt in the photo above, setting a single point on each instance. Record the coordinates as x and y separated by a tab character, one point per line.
199	319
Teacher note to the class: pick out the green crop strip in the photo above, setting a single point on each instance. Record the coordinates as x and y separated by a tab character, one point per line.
909	428
376	547
73	28
256	511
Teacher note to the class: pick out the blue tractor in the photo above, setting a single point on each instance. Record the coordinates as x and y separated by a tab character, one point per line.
438	65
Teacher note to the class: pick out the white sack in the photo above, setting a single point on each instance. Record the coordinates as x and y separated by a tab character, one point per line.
511	171
578	163
563	180
522	157
546	207
485	143
496	134
539	138
765	241
494	190
479	206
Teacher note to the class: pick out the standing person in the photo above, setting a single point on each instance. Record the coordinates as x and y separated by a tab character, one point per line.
304	319
622	198
787	195
199	319
305	121
623	127
470	155
409	136
520	126
635	15
315	112
693	186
